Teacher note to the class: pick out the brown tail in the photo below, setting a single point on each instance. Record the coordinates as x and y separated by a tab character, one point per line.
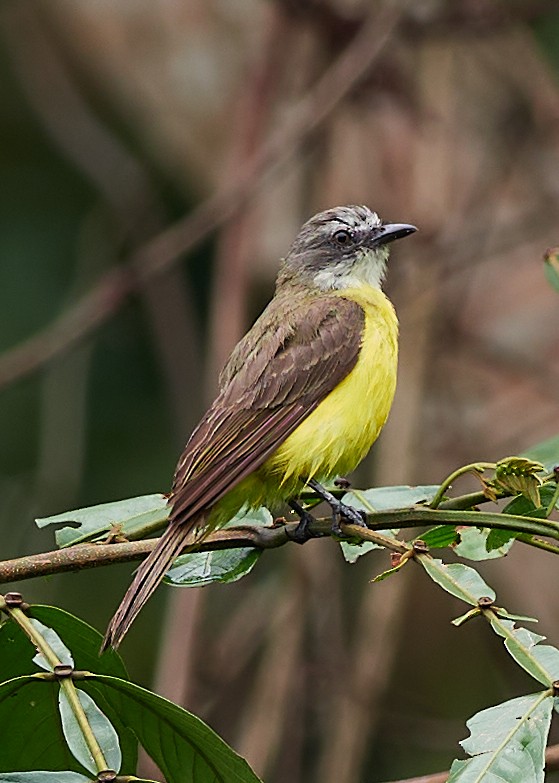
147	577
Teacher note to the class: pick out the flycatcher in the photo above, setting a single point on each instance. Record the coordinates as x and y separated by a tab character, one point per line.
302	398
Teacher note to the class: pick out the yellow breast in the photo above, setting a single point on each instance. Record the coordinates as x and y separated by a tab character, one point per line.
336	436
339	433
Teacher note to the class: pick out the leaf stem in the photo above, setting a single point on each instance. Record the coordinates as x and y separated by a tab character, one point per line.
66	684
71	693
553	501
35	636
467	501
424	515
388	542
473	467
539	543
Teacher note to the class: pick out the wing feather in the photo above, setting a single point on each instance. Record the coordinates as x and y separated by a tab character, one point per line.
276	377
288	371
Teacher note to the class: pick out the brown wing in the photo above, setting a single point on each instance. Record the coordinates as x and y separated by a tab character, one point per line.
297	353
285	367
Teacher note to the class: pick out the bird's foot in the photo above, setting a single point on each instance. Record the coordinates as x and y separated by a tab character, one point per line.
340	511
302	533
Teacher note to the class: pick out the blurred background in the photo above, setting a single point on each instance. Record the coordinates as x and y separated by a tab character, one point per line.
157	158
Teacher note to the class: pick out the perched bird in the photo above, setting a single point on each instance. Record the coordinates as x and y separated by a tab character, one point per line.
302	398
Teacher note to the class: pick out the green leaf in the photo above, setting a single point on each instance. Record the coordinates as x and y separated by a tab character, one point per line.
499	611
42	776
552	267
182	746
381	499
498	539
101	727
84	642
507	743
546	452
473	545
16	653
457	579
519	475
552	274
128	516
352	552
440	536
541	661
523	507
251	517
464	618
203	568
55	643
225	565
388	498
29	717
82	639
385	574
519	618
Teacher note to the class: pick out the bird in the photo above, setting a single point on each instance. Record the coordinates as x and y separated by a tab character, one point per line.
301	399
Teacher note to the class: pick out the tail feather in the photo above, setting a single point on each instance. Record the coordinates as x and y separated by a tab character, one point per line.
147	577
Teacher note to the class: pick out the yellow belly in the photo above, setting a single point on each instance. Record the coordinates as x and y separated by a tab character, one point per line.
337	435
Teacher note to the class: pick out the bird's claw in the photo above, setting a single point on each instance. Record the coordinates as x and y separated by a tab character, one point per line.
302	533
349	515
353	515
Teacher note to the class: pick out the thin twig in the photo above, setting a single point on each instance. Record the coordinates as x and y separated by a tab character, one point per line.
474	467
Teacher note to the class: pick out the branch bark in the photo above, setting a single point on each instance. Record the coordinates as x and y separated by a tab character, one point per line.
82	556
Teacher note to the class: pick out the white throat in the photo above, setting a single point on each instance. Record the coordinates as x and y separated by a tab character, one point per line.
368	269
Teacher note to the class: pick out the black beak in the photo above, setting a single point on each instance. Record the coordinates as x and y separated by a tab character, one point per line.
391	231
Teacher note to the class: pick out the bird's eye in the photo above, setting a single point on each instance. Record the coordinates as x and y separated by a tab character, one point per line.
343	237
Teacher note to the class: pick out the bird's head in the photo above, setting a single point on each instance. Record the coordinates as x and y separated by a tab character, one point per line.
343	247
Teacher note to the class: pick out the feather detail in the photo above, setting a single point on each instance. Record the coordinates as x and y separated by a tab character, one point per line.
301	348
146	579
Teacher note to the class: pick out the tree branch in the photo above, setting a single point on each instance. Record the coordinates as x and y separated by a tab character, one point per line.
82	556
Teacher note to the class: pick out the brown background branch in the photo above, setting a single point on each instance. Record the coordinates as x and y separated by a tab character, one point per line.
159	253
